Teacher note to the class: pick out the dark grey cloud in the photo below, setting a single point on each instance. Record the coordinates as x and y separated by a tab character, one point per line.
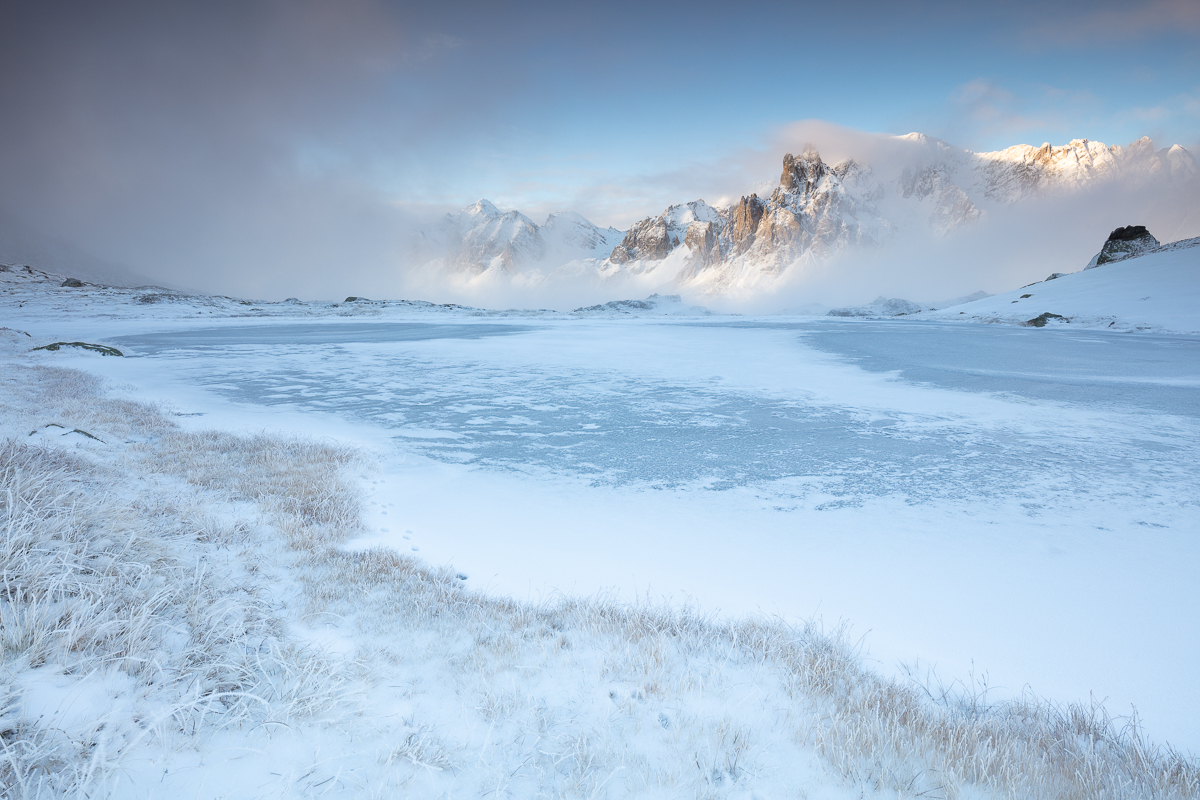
166	134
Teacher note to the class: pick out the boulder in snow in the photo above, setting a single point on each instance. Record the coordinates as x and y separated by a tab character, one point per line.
1131	240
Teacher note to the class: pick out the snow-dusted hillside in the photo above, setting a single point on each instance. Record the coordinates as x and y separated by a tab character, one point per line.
1156	290
816	209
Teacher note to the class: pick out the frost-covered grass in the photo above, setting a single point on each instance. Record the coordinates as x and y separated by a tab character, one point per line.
179	615
118	586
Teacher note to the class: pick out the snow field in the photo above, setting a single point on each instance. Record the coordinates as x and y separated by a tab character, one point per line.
1156	291
733	465
180	618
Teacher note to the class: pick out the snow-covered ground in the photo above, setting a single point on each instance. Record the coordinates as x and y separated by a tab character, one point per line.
1015	504
1158	291
1006	506
1025	510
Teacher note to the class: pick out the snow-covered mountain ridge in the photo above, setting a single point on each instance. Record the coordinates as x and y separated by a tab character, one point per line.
481	237
816	209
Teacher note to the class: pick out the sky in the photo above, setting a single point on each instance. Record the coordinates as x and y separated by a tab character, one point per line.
246	147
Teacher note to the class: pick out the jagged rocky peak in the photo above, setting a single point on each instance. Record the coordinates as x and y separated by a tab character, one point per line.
1122	243
648	240
746	216
815	209
804	173
653	238
704	243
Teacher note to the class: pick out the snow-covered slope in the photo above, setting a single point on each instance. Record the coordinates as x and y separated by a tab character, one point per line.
1157	290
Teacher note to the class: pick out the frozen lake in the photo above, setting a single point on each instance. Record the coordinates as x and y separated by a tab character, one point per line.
1015	504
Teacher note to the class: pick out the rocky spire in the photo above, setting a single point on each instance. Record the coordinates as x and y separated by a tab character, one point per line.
801	175
746	216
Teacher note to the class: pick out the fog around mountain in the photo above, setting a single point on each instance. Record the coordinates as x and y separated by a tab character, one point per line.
272	151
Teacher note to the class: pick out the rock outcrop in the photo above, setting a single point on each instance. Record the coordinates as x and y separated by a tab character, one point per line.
1123	243
746	216
648	240
703	240
696	225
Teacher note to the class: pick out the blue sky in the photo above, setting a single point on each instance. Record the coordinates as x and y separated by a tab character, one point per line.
195	139
619	93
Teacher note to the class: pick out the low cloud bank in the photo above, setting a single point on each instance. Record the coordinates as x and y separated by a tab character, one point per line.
1011	245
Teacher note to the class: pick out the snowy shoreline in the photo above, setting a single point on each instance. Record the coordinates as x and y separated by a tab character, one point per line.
185	618
400	676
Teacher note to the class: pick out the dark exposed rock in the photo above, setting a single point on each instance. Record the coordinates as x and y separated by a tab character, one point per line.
1041	319
802	174
1128	233
1123	243
702	240
72	283
103	350
746	216
647	240
815	208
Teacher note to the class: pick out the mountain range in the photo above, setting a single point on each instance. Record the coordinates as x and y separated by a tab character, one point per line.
816	209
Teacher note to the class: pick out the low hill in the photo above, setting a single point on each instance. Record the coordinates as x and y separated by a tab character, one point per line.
1158	290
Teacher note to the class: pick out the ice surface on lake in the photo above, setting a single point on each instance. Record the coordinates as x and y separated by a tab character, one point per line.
1020	503
672	431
